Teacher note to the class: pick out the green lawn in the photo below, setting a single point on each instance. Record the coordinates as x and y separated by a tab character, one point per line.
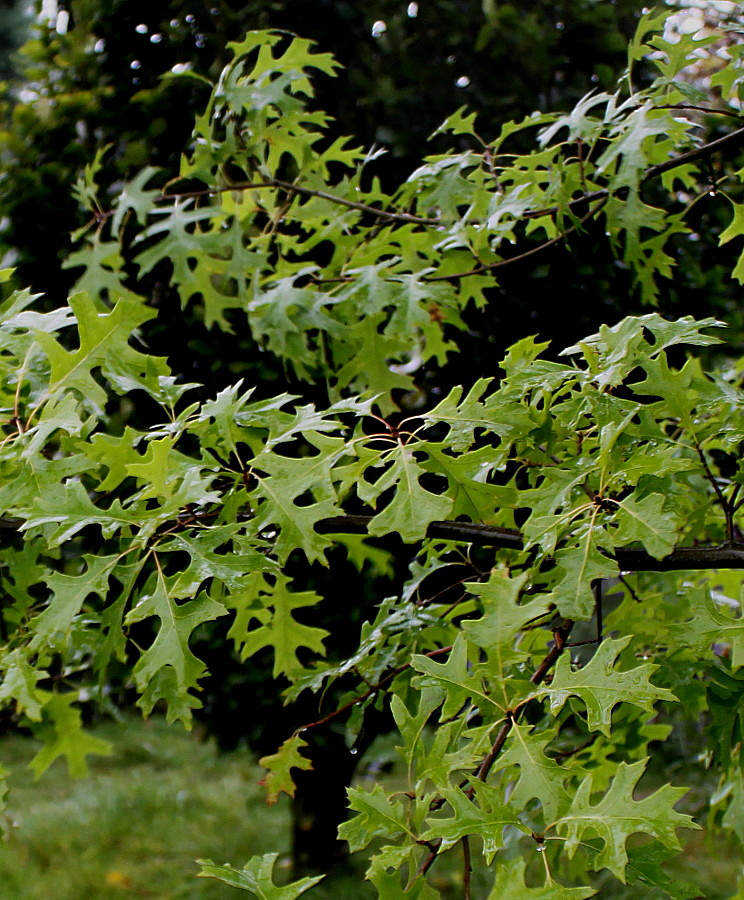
135	826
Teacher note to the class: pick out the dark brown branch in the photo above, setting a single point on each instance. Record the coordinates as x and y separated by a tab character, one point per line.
466	868
703	109
307	192
733	138
713	481
487	267
572	207
453	531
727	556
683	159
373	689
705	150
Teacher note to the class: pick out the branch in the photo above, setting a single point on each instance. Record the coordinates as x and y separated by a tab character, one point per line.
734	137
307	192
486	267
683	159
726	556
374	689
573	206
560	636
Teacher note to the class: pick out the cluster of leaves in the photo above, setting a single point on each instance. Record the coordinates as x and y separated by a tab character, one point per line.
96	80
620	457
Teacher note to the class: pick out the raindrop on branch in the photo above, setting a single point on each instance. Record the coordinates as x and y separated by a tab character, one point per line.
378	28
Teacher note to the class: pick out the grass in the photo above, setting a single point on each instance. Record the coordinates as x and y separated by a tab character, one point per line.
136	825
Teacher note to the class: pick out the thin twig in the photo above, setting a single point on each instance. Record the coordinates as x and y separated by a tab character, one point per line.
487	267
307	192
375	688
565	754
713	481
466	867
705	109
629	588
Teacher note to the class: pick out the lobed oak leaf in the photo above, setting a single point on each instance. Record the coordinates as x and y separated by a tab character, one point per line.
601	686
62	734
509	883
257	876
618	815
278	780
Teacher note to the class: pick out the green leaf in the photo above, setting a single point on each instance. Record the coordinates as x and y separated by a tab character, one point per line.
163	687
710	625
62	734
279	778
458	123
644	867
578	567
735	228
389	886
69	593
485	816
209	557
288	480
497	631
510	883
456	677
617	816
539	775
71	509
19	684
377	816
171	644
601	686
273	608
257	876
646	521
135	198
412	508
104	344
